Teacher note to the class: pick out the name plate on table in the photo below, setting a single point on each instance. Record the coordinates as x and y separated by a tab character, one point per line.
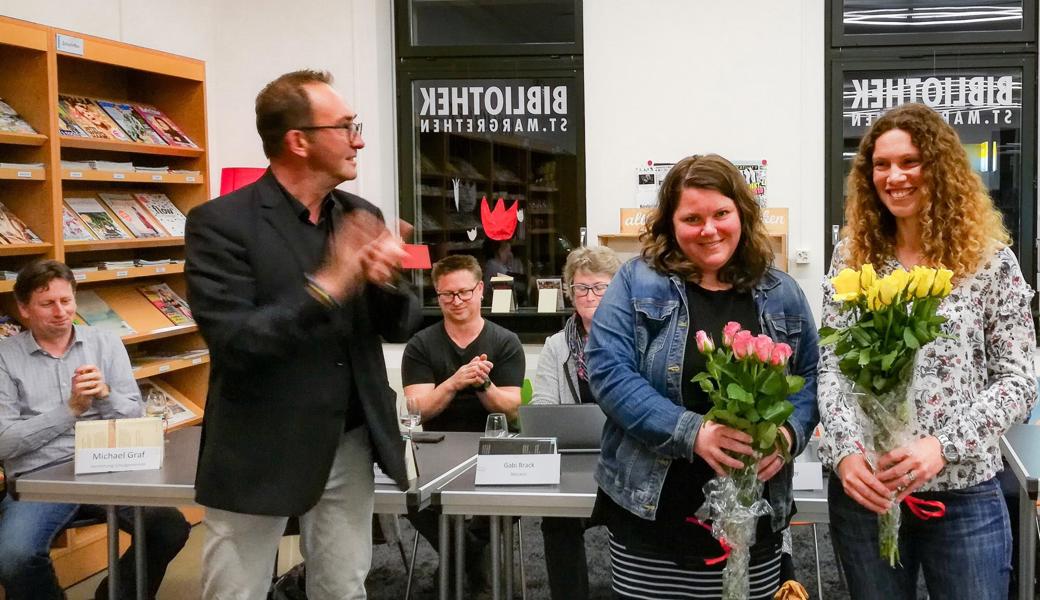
807	476
517	461
119	445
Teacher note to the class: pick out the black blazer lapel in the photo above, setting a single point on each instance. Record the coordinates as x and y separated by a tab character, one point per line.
277	212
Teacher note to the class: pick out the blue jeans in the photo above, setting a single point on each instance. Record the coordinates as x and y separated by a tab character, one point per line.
965	555
28	528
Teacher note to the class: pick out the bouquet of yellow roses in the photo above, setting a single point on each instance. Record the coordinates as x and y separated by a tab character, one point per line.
892	317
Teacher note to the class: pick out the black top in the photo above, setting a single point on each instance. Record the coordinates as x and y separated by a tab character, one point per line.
432	357
314	239
670	535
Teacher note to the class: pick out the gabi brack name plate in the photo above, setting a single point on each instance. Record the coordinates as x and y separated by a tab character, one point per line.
517	461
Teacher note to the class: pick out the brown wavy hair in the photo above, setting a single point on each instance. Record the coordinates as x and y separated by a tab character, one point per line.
753	255
960	226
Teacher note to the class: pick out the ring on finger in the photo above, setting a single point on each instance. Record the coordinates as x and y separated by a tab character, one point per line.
911	476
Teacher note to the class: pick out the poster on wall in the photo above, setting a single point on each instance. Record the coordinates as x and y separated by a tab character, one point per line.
754	172
648	182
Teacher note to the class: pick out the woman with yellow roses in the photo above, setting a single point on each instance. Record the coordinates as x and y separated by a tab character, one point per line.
914	202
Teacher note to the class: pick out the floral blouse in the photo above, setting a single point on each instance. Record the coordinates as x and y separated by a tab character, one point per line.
972	387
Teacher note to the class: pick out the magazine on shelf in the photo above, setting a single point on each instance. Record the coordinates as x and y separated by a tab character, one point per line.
97	219
9	326
66	125
72	227
164	126
179	410
77	165
138	361
89	116
22	166
11	121
95	312
139	221
168	302
13	230
132	123
107	165
165	212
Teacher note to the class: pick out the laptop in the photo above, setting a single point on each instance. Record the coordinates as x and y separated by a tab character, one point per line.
576	427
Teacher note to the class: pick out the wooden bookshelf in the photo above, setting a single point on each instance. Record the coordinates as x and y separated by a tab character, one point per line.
22	139
95	245
128	147
123	177
23	174
35	73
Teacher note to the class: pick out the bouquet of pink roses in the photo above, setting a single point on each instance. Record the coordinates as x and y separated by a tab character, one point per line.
746	381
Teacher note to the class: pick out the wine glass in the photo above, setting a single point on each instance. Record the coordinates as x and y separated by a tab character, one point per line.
496	426
155	406
409	415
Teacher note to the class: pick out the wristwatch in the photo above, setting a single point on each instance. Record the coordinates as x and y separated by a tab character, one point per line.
948	449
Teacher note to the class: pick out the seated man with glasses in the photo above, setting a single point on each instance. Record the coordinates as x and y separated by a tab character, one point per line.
461	369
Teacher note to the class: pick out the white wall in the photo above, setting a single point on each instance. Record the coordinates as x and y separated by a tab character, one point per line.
247	43
743	79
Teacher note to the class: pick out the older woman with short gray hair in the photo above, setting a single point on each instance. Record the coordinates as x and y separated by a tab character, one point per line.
562	379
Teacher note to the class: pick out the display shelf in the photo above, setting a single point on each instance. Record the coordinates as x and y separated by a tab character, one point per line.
34	74
158	334
95	245
25	249
127	273
128	147
134	177
22	139
158	367
23	174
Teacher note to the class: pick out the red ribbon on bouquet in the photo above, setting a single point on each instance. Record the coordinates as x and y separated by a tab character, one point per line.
920	508
722	542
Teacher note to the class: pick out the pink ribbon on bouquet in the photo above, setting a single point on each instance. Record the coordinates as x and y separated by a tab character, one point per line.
722	542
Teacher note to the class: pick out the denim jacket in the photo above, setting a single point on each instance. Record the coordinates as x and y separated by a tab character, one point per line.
635	358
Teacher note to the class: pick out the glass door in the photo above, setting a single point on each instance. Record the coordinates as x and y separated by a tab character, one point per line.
989	100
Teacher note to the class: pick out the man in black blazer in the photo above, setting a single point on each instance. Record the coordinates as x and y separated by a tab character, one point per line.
292	283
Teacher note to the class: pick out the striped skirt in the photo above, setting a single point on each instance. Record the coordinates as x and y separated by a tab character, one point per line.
637	576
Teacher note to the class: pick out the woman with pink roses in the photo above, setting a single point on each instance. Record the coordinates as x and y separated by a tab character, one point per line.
914	201
705	263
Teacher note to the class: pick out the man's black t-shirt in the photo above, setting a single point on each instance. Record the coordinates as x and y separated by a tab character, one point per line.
432	357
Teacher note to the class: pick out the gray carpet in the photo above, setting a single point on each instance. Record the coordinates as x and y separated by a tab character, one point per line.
387	578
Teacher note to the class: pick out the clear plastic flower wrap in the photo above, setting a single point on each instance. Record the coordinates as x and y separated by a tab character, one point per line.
734	504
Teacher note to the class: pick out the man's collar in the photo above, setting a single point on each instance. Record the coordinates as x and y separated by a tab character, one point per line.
299	209
31	346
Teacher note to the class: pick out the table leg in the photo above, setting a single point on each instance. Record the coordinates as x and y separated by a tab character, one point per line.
113	551
496	557
443	550
507	555
460	556
140	554
1026	545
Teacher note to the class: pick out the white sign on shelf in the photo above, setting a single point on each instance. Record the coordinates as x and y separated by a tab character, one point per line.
70	44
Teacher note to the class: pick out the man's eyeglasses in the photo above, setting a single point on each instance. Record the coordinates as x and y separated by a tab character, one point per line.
353	128
463	295
580	290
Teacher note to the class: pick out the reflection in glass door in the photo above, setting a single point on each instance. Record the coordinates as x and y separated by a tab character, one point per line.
983	103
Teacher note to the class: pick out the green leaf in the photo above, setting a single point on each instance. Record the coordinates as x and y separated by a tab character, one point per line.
773	383
700	377
886	360
860	336
766	435
830	337
707	386
736	392
795	383
864	357
778	412
526	392
910	339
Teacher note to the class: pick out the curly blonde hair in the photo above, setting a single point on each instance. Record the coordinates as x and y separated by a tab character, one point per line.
960	226
753	255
